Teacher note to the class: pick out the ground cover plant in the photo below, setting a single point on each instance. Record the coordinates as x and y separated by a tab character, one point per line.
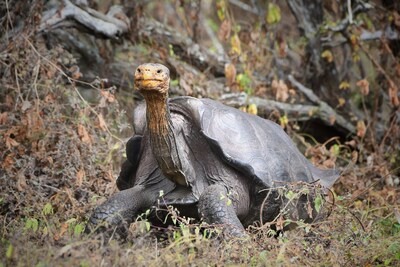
65	115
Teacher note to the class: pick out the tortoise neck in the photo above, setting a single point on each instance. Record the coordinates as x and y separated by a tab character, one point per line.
157	114
163	137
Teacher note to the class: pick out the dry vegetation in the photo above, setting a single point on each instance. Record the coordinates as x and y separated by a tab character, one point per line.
60	155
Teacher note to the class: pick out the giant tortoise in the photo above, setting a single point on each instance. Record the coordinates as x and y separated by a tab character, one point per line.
200	153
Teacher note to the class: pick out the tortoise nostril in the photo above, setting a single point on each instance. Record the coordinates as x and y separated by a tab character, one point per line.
158	71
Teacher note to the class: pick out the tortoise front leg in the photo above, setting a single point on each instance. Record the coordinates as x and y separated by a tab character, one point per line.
122	208
216	209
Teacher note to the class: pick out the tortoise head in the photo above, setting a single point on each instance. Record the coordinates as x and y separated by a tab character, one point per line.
152	78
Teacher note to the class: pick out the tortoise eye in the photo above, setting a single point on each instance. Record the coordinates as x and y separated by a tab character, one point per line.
158	71
139	70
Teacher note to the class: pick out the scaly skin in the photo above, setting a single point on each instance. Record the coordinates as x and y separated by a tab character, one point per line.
215	210
122	208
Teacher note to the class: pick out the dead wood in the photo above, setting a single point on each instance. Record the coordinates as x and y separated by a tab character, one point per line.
295	112
67	14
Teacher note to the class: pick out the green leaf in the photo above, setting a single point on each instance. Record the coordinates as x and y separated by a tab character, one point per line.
78	229
70	221
214	26
244	82
335	150
175	82
148	225
283	121
45	231
287	222
274	14
290	195
10	251
47	209
32	224
263	256
318	203
221	9
176	235
197	231
116	146
84	263
161	193
340	198
171	50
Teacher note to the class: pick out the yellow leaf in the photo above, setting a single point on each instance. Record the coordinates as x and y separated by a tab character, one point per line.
283	121
221	9
356	57
273	14
235	44
354	39
344	85
327	55
342	101
252	109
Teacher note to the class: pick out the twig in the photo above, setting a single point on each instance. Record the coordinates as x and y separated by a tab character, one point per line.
36	71
308	92
8	16
392	124
349	12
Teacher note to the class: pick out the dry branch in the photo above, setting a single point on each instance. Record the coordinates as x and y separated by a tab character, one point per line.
298	112
111	25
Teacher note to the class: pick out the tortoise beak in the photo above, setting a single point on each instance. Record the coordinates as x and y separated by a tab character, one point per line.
147	80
